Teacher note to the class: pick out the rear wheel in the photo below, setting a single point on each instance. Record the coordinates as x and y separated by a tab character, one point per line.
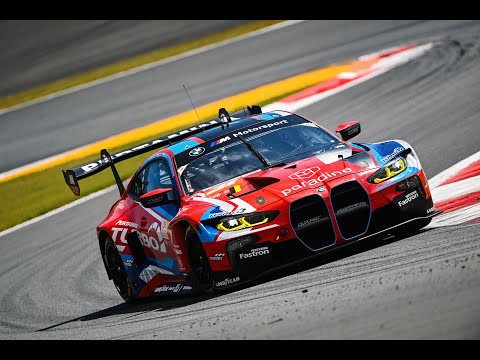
117	271
201	275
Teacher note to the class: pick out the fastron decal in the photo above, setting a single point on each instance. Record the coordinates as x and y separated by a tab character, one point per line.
408	198
255	252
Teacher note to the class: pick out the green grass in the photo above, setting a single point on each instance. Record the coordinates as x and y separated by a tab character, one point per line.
79	79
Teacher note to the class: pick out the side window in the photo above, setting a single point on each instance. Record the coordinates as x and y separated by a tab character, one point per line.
156	175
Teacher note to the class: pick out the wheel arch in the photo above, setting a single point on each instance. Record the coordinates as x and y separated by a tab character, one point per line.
179	233
102	238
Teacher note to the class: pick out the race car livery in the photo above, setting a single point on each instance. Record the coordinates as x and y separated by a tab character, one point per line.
230	199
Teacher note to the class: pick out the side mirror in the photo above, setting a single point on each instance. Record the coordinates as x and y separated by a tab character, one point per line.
348	130
155	197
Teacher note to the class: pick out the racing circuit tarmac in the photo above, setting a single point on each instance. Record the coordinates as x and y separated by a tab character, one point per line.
425	286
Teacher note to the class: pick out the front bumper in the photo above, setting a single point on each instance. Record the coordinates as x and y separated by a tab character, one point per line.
316	223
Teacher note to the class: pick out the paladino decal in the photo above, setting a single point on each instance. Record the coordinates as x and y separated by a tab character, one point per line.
315	181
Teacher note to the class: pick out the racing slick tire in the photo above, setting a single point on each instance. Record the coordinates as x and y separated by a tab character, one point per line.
117	271
201	276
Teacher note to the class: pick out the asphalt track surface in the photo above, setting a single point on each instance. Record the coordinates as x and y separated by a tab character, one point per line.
424	286
35	52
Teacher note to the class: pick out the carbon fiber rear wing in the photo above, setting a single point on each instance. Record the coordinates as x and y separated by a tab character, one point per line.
72	176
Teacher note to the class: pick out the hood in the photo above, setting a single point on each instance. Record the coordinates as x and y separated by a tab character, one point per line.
256	190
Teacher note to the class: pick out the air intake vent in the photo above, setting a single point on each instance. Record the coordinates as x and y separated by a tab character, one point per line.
351	207
312	223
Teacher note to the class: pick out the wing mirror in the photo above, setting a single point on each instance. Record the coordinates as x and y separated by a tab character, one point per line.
156	197
348	130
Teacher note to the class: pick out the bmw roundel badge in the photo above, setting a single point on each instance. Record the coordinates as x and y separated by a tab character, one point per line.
197	151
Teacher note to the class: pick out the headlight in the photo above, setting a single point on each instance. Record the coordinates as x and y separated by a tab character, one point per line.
239	222
393	168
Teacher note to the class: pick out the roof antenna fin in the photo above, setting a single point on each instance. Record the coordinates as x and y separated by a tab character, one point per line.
191	102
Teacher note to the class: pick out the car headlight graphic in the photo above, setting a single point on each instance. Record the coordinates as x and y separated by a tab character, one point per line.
239	222
393	168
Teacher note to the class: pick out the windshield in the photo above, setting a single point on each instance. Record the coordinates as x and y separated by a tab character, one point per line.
277	146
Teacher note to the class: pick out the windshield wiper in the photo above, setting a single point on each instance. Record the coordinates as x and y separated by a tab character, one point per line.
262	158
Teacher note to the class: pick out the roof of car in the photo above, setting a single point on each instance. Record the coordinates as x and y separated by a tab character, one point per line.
217	132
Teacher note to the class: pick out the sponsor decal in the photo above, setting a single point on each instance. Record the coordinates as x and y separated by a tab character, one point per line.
408	198
396	151
127	223
255	252
172	288
217	257
349	207
161	231
248	131
151	242
353	130
129	262
121	234
321	189
220	141
226	213
260	200
197	151
306	222
258	128
432	209
304	173
339	146
315	181
227	281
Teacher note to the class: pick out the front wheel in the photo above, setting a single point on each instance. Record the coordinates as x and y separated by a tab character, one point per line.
117	271
201	275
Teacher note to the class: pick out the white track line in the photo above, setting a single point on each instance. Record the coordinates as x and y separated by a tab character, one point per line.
453	170
59	210
456	217
456	189
153	65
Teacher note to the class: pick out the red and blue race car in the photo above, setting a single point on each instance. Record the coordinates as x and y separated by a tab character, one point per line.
248	192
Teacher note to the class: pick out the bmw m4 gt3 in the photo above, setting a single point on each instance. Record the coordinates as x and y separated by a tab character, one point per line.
223	202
